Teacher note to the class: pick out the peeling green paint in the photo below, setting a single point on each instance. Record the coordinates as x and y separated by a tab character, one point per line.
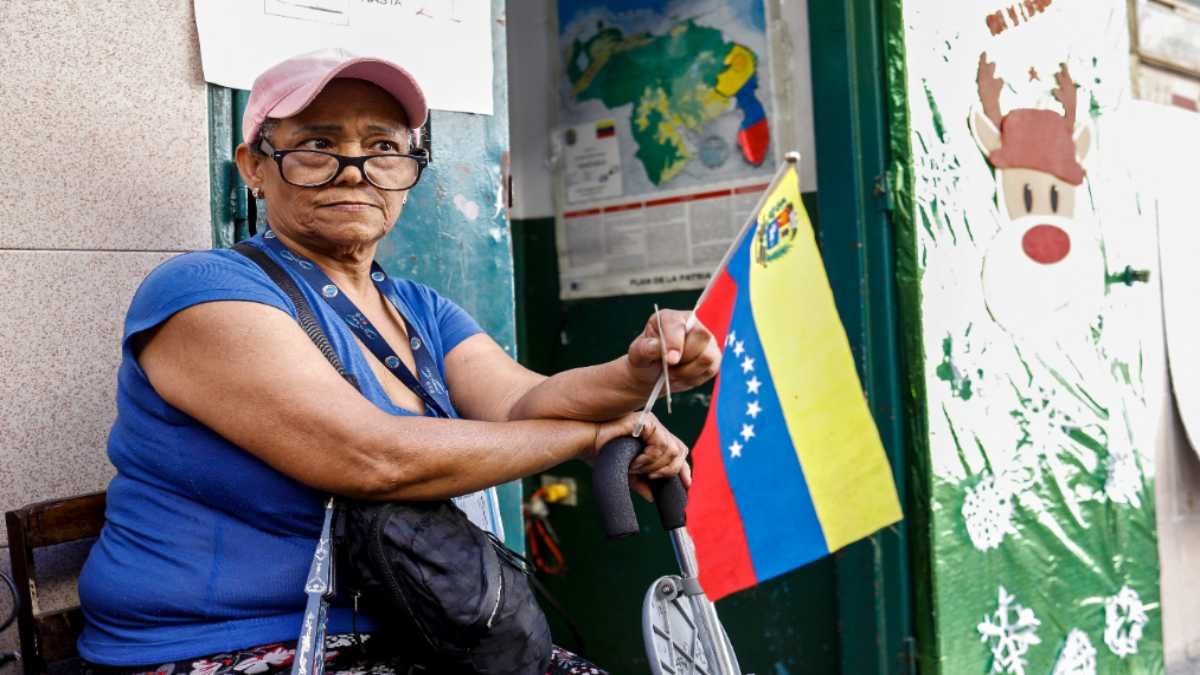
960	384
1081	437
1079	393
962	457
1120	370
939	127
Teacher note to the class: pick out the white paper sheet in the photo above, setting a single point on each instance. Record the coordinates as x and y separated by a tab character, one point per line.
445	44
592	162
1167	149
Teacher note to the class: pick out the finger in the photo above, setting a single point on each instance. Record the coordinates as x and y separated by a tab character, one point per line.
652	459
686	475
695	344
673	469
663	447
678	462
640	486
699	369
644	351
649	423
675	334
640	464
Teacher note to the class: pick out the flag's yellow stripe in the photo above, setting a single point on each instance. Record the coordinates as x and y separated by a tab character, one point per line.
810	362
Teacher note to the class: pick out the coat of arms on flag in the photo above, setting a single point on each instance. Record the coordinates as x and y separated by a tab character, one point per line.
789	466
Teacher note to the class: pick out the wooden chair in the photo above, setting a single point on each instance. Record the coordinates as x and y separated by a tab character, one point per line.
48	638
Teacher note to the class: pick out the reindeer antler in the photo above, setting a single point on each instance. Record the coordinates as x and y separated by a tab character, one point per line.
1066	94
989	90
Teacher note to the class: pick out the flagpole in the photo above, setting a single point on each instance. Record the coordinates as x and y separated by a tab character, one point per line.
790	160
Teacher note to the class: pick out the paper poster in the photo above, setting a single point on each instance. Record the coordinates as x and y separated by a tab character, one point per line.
687	88
592	162
1032	264
445	44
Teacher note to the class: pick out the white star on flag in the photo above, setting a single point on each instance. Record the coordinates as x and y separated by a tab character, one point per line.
735	449
747	431
747	364
730	338
752	385
753	408
739	348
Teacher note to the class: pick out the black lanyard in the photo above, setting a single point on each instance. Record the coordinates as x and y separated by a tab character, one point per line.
428	387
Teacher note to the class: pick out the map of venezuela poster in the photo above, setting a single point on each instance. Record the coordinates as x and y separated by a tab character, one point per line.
685	79
664	139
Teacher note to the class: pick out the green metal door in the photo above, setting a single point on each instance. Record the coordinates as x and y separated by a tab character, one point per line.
850	613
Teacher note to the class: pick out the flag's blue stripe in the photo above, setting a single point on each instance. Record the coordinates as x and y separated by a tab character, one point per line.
768	484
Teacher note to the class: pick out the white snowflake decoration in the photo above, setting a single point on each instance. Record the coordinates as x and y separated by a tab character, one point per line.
1124	480
988	510
1078	656
1009	632
1124	619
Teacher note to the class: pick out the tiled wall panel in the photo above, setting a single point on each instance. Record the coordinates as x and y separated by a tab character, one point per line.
105	137
60	327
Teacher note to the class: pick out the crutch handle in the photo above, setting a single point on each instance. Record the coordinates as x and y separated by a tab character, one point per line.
610	483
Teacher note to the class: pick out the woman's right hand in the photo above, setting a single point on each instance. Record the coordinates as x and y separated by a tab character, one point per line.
664	454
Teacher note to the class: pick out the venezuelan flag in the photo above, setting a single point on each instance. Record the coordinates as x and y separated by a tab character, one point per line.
789	466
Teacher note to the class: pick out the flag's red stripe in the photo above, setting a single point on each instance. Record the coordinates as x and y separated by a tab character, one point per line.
717	530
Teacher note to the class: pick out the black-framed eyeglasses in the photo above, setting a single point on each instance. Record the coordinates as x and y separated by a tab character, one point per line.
314	168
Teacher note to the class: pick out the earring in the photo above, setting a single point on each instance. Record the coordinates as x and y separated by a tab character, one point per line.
258	193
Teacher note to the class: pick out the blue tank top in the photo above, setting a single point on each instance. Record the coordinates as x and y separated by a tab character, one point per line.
205	548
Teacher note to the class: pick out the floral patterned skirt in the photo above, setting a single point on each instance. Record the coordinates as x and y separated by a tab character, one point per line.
344	655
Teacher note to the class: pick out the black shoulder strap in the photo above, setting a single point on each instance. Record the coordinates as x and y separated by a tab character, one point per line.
304	314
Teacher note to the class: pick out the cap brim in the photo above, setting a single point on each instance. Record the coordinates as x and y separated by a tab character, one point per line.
386	75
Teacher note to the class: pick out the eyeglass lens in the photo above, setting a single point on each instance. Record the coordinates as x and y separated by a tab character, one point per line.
314	168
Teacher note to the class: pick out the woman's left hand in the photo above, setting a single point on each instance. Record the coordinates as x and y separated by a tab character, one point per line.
693	356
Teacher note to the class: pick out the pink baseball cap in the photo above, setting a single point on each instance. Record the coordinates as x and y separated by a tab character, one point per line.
288	87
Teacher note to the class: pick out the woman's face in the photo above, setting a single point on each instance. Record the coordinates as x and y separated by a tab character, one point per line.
349	117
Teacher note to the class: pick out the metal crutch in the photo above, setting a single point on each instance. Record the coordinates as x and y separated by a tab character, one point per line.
682	633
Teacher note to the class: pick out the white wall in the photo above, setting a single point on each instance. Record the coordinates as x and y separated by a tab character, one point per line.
103	175
533	104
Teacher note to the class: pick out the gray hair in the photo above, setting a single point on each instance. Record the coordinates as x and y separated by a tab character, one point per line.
265	131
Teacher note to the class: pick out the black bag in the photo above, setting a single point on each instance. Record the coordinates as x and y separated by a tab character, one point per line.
453	596
443	590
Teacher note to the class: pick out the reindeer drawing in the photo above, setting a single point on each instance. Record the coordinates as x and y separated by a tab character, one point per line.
1044	271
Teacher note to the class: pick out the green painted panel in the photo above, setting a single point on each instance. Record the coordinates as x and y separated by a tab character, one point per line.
873	579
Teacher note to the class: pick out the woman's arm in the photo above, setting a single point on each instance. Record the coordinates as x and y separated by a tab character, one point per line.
250	373
488	384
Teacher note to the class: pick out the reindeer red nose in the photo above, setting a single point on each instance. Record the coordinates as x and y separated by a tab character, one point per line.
1046	244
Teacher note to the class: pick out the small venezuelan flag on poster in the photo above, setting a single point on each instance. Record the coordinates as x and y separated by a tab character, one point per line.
789	466
605	129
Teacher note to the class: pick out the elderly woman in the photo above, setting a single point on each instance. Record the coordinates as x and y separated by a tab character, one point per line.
231	425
